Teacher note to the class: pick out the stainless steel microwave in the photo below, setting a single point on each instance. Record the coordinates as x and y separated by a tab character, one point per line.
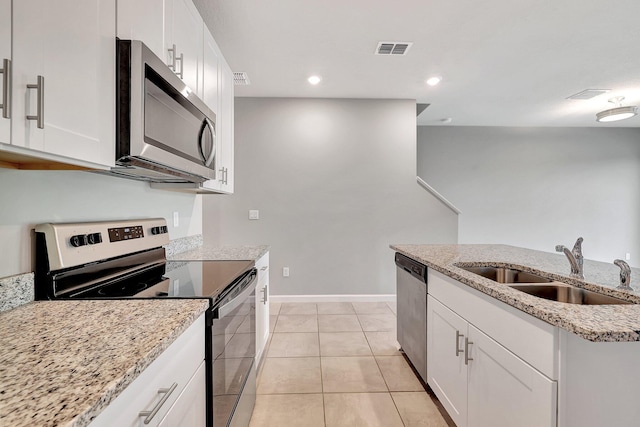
165	133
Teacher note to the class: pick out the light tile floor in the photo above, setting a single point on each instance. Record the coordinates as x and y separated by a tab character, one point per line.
338	365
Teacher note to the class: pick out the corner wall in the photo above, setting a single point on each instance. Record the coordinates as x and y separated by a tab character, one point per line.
539	187
335	183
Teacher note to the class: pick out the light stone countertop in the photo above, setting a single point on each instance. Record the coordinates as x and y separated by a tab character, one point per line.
222	253
600	323
63	362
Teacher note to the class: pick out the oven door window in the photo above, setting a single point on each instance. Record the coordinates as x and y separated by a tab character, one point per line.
234	339
174	124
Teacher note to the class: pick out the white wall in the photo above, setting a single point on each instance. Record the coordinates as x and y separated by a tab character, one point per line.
538	187
31	197
335	183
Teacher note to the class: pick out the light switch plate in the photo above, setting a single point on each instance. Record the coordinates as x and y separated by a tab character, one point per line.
254	214
176	219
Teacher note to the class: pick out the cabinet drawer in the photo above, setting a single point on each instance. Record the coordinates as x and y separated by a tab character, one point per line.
176	365
529	338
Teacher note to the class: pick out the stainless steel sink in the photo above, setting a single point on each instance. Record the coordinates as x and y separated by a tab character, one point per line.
542	287
506	275
563	292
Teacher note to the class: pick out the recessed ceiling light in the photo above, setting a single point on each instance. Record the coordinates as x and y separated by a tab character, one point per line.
434	81
314	80
617	113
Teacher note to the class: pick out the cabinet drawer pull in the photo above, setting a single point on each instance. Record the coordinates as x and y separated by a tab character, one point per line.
467	344
6	88
264	268
458	349
264	293
39	87
152	413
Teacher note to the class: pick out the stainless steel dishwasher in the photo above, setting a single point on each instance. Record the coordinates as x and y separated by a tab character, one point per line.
411	289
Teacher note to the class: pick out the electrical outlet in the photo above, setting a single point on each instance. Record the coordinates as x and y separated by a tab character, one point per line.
285	271
627	256
254	214
176	219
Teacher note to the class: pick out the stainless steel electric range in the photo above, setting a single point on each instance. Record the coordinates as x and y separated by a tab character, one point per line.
126	259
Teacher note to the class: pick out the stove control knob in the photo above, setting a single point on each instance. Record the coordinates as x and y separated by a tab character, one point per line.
156	230
94	238
78	240
164	229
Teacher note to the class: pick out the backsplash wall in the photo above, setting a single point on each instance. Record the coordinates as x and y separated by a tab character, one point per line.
32	197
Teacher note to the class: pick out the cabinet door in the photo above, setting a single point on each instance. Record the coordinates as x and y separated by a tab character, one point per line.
190	410
5	54
211	55
70	44
143	20
262	306
504	390
224	123
446	369
183	28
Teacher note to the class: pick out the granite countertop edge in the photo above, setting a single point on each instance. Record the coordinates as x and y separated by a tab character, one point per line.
611	323
222	253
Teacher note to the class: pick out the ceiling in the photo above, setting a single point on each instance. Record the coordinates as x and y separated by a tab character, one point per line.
503	62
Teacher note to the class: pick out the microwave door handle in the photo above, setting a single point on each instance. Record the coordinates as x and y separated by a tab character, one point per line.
237	301
208	158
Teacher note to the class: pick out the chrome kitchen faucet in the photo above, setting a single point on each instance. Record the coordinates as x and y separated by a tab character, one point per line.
575	258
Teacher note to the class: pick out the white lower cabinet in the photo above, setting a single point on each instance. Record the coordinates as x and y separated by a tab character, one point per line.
190	408
262	306
478	381
169	392
446	370
503	390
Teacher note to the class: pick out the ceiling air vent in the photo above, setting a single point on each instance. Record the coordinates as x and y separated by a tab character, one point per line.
240	78
393	48
589	93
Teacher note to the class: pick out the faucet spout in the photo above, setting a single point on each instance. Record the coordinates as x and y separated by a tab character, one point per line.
625	275
575	258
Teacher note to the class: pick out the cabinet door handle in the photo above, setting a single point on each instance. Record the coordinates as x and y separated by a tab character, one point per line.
226	176
467	344
265	293
172	65
39	87
458	349
264	268
181	72
6	88
152	413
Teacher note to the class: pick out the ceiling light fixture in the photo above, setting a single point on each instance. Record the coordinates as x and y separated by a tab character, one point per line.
314	80
434	81
617	113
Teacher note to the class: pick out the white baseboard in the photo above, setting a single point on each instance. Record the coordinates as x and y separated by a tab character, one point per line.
333	298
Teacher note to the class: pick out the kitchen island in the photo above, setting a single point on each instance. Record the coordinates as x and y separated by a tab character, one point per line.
521	359
598	323
63	362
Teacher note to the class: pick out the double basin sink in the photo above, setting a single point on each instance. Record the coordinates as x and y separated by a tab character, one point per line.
542	287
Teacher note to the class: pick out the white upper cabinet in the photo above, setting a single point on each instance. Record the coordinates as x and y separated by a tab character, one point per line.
5	65
143	20
64	78
224	122
183	41
211	62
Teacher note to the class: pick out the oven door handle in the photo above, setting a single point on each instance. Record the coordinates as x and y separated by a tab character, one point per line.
236	302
